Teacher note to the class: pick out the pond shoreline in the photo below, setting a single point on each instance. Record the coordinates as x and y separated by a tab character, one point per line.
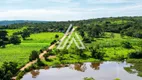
81	69
36	66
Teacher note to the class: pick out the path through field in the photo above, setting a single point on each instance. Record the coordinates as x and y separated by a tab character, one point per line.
44	52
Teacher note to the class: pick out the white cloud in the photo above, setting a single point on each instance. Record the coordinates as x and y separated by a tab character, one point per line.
110	1
65	14
39	14
70	11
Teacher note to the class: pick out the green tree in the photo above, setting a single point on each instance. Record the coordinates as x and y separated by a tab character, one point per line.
56	36
34	55
82	33
3	34
1	42
8	76
7	70
97	54
2	73
25	34
95	31
15	40
3	39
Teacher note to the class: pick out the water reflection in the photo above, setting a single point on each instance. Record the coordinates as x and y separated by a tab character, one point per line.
60	66
79	67
46	67
136	68
103	71
95	66
35	73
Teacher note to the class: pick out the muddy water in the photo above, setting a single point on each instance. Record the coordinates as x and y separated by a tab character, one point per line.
99	71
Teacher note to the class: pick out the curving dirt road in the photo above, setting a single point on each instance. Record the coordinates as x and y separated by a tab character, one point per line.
45	52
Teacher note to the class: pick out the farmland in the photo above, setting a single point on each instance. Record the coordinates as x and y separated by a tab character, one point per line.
20	53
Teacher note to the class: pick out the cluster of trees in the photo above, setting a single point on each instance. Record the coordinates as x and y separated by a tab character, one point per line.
137	54
5	39
89	32
8	70
130	26
14	39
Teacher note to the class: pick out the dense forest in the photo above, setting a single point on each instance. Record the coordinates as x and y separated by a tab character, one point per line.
130	26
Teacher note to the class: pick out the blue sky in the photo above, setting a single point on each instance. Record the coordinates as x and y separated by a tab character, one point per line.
63	10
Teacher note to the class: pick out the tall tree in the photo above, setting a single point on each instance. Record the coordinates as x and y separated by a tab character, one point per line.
25	34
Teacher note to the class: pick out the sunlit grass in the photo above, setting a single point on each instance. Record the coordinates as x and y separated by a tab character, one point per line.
44	37
20	53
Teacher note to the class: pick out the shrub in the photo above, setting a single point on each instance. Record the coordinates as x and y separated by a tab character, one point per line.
126	44
136	54
40	63
41	51
15	40
56	36
87	40
53	42
97	54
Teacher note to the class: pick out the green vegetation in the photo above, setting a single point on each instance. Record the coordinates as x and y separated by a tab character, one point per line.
104	39
20	53
34	55
15	40
136	67
8	70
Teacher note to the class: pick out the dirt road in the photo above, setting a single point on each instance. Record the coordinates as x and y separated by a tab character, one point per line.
41	56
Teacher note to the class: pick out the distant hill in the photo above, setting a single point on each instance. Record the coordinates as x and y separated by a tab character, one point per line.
6	22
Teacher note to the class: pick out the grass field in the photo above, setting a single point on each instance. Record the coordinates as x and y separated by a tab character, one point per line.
20	53
111	46
42	37
11	31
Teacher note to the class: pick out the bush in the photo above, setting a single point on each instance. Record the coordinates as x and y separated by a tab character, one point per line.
40	63
97	54
56	36
15	40
53	42
126	45
46	56
87	40
41	51
136	54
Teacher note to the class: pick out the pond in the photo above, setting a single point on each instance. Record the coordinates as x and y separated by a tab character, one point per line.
99	71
